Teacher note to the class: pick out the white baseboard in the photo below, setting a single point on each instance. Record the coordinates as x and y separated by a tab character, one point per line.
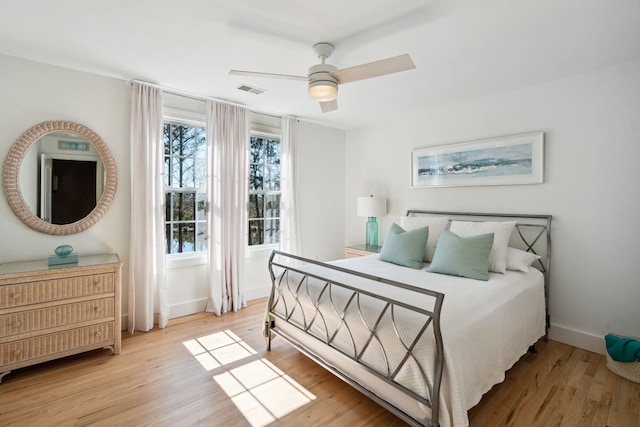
187	308
256	293
124	322
198	306
580	339
175	310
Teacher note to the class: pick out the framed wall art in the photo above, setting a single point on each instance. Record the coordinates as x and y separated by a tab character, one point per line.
507	160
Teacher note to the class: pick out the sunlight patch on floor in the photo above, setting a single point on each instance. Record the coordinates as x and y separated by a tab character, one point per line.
261	391
218	349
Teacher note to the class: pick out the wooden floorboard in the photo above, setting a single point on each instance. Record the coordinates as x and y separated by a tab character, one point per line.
178	376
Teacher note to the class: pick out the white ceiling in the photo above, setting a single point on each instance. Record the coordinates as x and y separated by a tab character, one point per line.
463	49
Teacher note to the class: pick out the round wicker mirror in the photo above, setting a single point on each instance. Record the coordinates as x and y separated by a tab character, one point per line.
19	150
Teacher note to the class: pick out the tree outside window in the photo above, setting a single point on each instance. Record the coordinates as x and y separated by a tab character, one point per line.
185	174
264	191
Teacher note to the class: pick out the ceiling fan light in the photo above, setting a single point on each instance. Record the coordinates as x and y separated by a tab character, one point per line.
323	91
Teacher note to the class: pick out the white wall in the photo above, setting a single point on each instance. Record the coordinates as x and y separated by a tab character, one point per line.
321	177
592	187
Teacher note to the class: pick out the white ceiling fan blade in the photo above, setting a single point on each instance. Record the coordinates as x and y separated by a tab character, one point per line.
329	105
374	69
269	75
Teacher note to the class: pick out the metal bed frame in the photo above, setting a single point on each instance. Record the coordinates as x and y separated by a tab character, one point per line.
287	267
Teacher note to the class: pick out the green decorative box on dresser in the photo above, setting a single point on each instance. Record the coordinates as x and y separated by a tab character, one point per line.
48	312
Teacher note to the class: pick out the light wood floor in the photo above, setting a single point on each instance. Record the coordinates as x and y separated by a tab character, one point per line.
167	378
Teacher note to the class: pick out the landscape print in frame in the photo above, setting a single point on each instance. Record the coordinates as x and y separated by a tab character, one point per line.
507	160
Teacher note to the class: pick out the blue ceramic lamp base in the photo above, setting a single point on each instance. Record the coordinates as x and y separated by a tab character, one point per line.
372	234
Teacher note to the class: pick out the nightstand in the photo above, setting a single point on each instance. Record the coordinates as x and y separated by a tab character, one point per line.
360	250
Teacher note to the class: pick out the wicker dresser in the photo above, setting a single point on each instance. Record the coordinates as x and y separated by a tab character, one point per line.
51	312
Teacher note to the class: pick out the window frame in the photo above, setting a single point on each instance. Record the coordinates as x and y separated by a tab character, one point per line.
185	118
263	131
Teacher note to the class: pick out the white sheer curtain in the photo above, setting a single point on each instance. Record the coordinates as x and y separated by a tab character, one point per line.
147	283
228	183
289	235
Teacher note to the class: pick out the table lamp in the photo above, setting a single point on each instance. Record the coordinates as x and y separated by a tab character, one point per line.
372	207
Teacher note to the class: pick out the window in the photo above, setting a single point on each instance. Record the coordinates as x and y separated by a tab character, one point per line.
185	174
264	191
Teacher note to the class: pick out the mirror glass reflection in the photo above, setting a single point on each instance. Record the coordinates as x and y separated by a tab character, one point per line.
62	177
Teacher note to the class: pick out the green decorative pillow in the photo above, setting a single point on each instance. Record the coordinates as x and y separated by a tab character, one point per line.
405	247
463	256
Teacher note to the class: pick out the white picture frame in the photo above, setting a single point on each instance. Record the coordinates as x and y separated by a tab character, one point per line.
506	160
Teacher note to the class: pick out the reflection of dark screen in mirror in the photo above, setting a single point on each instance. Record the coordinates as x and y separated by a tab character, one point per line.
73	186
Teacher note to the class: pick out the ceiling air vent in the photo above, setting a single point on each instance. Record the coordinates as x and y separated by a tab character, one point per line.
251	89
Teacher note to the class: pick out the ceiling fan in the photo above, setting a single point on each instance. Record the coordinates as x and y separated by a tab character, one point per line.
324	78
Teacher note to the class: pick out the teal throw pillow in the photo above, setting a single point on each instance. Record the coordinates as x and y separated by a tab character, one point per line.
405	247
462	256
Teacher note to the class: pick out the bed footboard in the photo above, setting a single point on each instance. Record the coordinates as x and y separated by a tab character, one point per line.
391	340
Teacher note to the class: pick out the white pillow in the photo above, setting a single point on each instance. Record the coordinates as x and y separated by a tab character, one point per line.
501	234
436	226
520	260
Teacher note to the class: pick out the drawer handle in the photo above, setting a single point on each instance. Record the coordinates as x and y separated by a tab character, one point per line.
17	352
98	309
16	324
98	334
17	295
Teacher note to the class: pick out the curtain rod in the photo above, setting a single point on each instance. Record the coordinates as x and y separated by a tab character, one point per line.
198	97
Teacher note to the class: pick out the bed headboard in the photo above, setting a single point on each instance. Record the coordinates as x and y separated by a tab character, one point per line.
532	233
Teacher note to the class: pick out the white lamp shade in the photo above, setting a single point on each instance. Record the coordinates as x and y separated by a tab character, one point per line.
372	206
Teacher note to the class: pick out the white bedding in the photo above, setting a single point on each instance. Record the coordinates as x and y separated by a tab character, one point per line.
486	328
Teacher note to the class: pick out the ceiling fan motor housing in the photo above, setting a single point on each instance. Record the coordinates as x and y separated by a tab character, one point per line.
322	85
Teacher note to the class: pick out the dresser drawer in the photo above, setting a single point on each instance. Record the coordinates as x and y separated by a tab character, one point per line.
56	316
63	343
55	290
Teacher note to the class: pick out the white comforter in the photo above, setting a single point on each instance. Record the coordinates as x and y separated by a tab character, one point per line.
486	327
